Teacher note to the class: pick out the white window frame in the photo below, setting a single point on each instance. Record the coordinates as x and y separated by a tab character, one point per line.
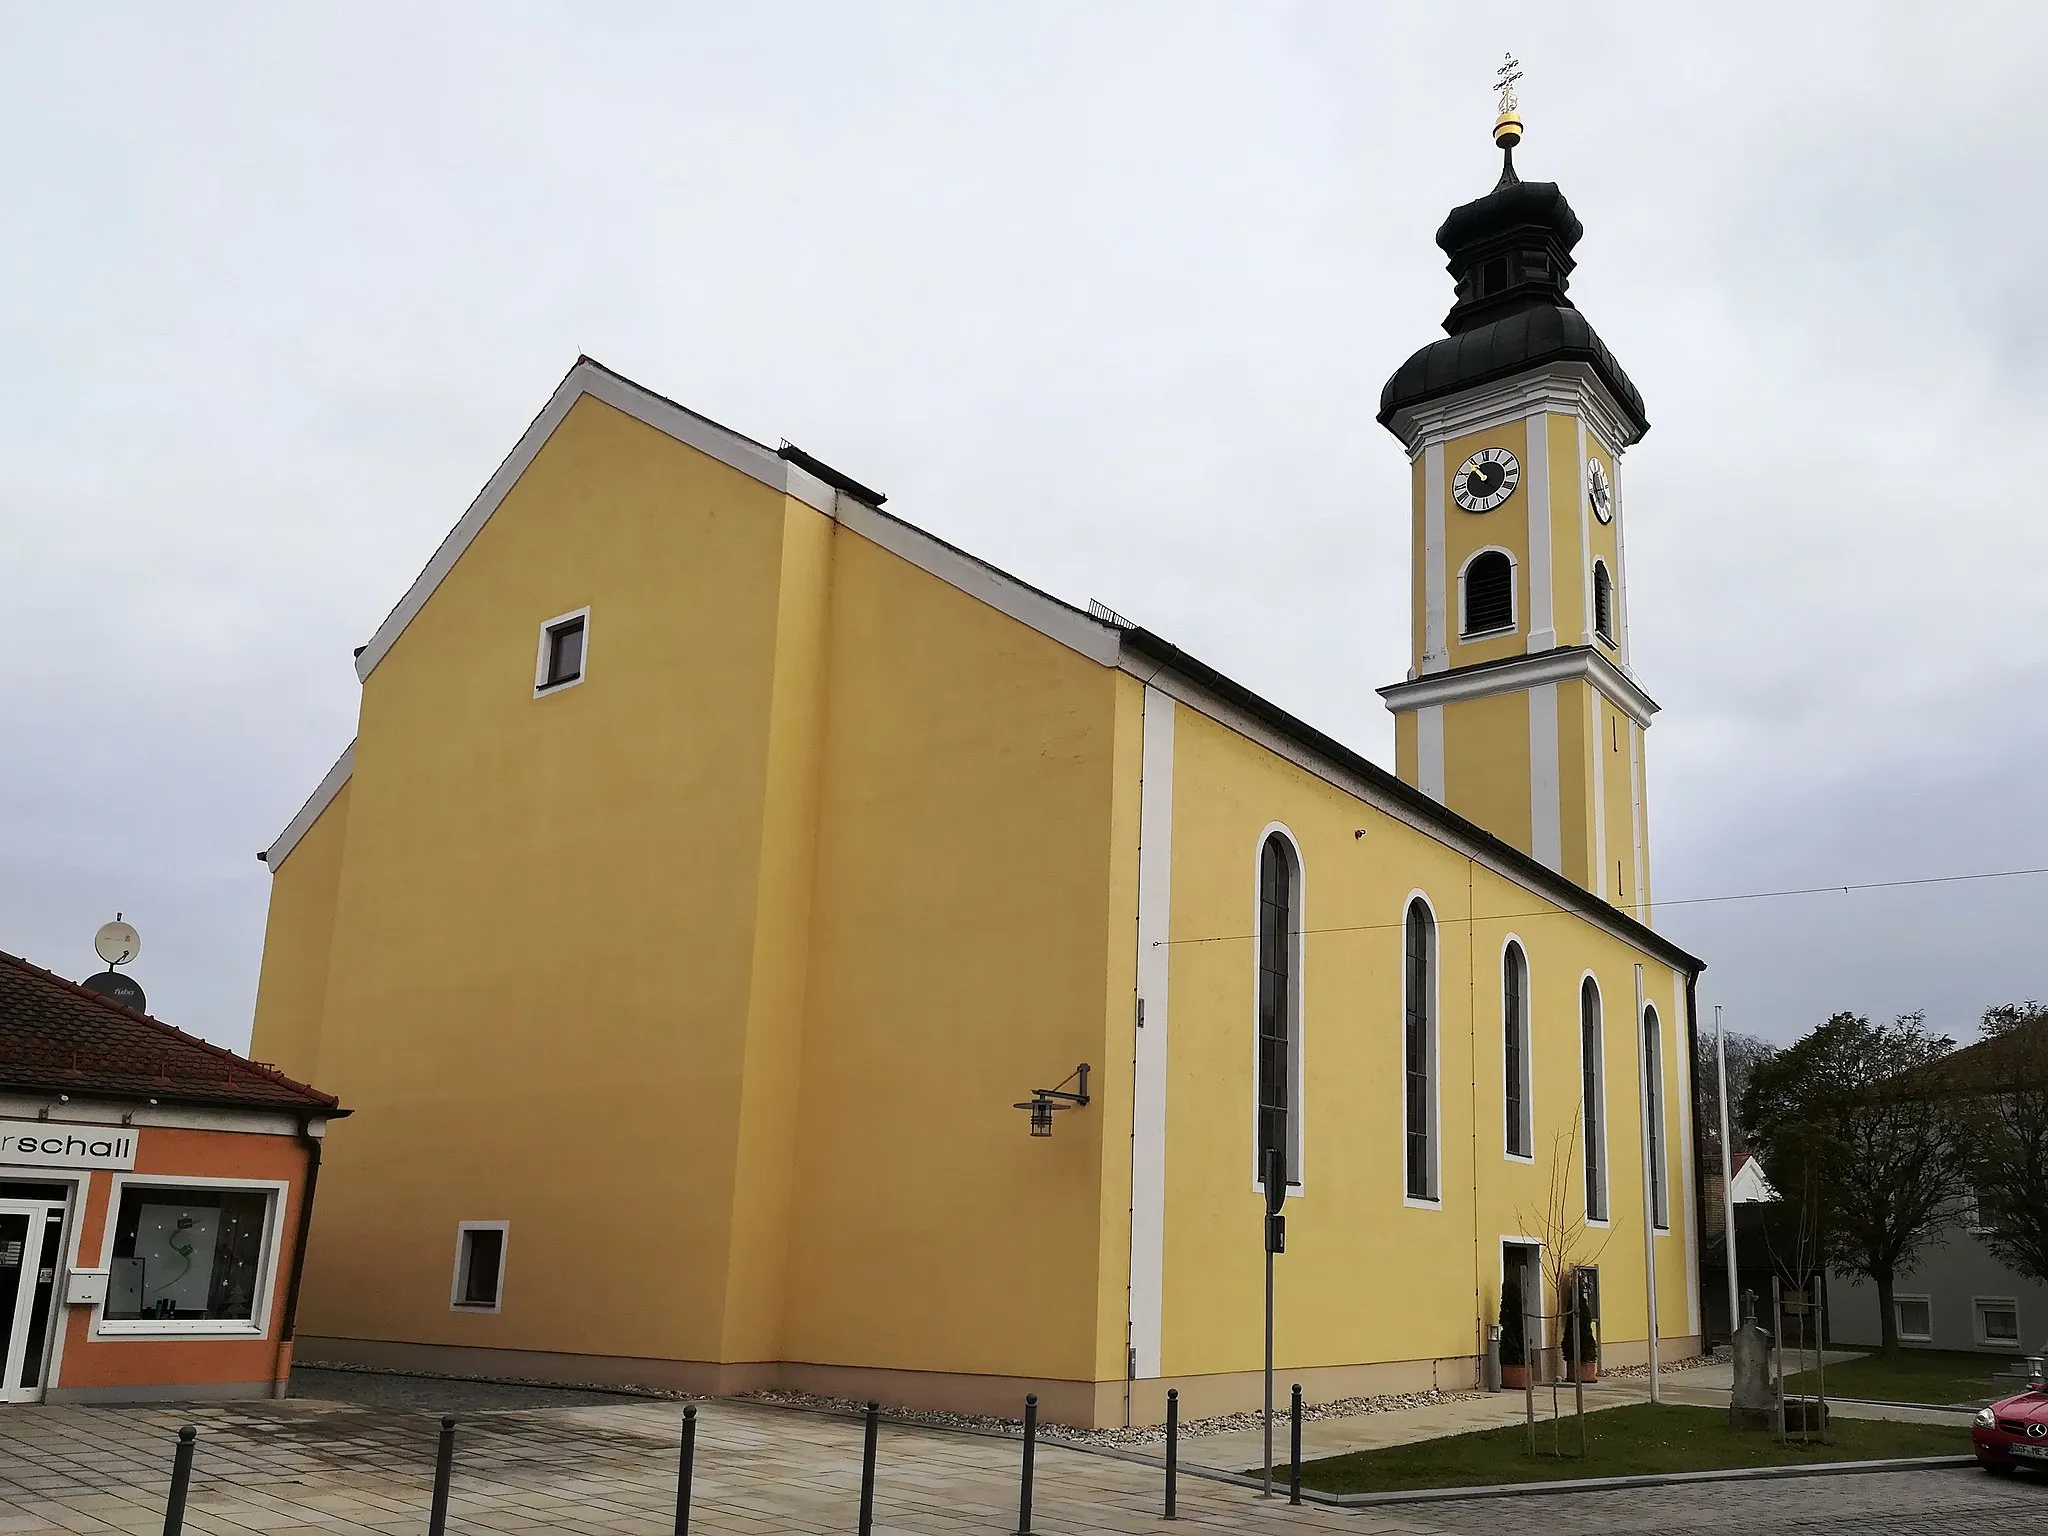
1899	1322
1606	1173
1297	1109
462	1231
1652	1047
541	685
263	1305
1528	1085
1514	623
1977	1306
1435	1200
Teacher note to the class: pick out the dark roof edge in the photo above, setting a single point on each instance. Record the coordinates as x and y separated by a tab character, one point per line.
327	1100
1620	388
1542	877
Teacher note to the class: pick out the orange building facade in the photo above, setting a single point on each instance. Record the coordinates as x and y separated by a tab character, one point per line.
155	1191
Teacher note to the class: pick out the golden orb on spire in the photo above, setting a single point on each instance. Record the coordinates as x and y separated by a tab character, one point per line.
1507	127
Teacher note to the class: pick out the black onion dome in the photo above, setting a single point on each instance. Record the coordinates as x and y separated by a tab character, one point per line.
1511	255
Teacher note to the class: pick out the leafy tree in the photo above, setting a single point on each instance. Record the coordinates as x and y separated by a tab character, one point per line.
1998	1095
1743	1053
1849	1132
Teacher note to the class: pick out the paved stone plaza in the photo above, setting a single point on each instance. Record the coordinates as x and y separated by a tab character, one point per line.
590	1463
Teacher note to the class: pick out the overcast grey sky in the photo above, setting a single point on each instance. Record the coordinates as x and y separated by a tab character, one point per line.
1104	293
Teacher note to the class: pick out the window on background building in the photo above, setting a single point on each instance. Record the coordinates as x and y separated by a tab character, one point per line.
1603	602
480	1265
1419	1053
1915	1316
561	652
1278	986
1514	1009
1489	593
187	1254
1592	1117
1653	1114
1998	1321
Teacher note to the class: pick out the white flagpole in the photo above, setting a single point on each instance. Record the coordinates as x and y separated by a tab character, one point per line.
1727	1178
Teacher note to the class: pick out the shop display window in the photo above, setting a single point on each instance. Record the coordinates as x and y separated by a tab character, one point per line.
187	1255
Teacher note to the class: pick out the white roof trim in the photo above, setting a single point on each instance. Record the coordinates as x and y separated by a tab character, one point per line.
643	405
309	813
1563	665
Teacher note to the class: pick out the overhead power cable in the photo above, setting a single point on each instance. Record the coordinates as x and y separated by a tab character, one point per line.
1682	901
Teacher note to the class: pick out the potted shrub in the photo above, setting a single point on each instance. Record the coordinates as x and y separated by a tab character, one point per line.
1514	1352
1589	1345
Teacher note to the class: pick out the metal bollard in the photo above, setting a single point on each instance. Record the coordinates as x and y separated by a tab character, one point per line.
867	1469
181	1482
1294	1448
444	1469
686	1470
1172	1447
1030	1460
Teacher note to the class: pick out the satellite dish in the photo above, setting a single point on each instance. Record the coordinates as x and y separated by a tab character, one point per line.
117	942
118	988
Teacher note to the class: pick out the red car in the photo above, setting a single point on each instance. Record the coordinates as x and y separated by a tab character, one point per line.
2014	1432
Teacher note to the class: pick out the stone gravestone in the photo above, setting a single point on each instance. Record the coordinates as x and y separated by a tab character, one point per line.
1753	1403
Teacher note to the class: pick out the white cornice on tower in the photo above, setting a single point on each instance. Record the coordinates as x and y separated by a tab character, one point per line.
1569	663
1568	388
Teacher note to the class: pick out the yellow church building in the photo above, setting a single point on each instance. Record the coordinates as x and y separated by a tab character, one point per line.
724	868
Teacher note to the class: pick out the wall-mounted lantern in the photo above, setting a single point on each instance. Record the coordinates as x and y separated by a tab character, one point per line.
1044	1101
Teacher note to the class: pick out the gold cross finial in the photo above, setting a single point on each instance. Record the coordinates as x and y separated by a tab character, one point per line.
1507	127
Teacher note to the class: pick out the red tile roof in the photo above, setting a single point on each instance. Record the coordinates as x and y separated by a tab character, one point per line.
56	1037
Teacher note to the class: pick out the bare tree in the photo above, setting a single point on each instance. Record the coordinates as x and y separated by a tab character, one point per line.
1560	1223
1744	1052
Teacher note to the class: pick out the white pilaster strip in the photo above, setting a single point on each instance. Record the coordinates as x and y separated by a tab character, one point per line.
1429	753
1546	807
1585	551
1637	829
1620	568
1436	645
1692	1237
1536	487
1601	748
1148	1107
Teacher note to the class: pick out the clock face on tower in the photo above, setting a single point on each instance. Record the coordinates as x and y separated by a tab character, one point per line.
1598	491
1486	480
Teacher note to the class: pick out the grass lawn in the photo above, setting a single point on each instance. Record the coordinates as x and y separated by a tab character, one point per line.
1935	1376
1620	1442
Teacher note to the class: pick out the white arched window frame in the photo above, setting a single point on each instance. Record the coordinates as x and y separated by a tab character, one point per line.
1654	1139
1593	1099
1518	1115
1421	1087
1603	601
1294	954
1465	629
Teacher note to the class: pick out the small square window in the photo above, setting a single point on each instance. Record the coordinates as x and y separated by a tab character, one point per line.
1998	1321
564	642
1916	1318
480	1266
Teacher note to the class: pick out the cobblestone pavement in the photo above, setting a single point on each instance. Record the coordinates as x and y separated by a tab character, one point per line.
606	1465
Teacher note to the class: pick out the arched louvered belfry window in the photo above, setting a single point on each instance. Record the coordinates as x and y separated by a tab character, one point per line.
1418	1050
1488	594
1514	1009
1278	990
1603	602
1592	1100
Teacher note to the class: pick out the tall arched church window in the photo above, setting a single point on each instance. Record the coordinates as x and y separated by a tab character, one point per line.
1279	990
1514	1008
1603	602
1653	1114
1418	1098
1592	1100
1489	595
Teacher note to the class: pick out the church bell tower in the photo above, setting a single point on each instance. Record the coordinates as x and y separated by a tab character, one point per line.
1520	710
